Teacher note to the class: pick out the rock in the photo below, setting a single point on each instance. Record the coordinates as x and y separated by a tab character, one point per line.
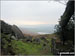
13	37
37	40
44	38
28	39
9	29
5	28
17	32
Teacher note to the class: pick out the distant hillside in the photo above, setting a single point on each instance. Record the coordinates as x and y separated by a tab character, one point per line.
25	31
44	28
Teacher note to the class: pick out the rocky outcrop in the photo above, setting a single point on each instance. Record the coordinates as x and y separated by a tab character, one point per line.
17	32
5	28
9	29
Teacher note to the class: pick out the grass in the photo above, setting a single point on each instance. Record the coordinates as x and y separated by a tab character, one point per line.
20	47
23	48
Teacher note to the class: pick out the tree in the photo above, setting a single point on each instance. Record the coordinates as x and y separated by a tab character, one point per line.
65	29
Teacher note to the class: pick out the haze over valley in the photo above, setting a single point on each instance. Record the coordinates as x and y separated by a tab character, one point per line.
38	29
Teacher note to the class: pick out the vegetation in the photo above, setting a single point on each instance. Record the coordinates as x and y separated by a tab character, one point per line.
65	29
10	46
27	48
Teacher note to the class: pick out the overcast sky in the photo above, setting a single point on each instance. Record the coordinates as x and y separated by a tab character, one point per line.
31	12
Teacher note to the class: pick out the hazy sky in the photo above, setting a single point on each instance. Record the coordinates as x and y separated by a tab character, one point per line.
31	12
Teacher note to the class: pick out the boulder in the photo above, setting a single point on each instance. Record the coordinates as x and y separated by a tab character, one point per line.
13	37
28	39
5	28
17	32
37	40
44	39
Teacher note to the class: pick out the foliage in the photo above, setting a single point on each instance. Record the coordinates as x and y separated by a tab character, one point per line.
65	29
66	33
6	44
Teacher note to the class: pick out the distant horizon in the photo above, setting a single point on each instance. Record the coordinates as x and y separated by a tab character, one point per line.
41	29
36	25
27	25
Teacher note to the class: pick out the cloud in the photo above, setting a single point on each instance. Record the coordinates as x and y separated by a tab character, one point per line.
35	12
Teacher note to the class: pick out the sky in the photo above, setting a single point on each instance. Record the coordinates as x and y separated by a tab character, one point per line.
31	12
